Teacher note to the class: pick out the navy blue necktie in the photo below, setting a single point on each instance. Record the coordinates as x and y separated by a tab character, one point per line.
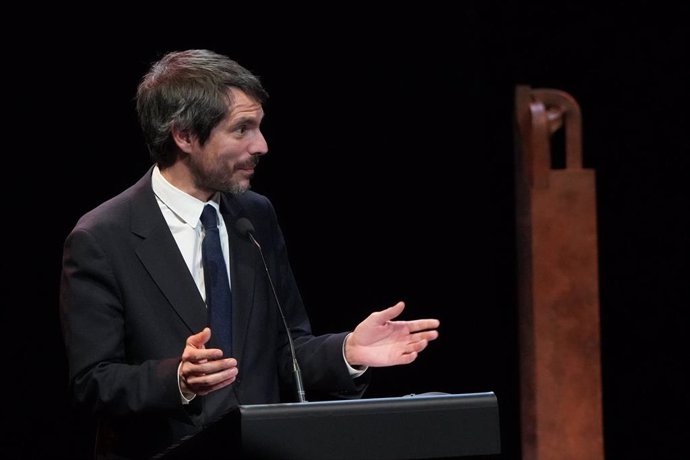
218	295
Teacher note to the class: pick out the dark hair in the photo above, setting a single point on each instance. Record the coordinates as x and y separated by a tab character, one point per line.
189	90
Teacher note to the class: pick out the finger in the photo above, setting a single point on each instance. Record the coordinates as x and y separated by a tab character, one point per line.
423	324
192	355
197	356
211	366
200	339
406	358
208	382
199	376
411	351
390	312
416	347
425	335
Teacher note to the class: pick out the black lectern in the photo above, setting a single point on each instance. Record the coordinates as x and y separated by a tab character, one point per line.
425	426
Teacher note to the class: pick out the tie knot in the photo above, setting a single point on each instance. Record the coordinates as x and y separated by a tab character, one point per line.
209	218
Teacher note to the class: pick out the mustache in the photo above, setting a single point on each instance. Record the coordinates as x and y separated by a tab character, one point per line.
249	164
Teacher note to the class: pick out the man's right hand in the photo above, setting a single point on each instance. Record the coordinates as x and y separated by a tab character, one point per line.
204	370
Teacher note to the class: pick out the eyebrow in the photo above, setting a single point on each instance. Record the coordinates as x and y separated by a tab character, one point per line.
245	120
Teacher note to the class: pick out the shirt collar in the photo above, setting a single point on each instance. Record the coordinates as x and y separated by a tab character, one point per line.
185	206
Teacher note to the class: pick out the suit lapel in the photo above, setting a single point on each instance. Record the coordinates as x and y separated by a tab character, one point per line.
162	259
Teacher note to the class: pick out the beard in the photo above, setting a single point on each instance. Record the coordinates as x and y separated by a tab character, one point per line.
219	178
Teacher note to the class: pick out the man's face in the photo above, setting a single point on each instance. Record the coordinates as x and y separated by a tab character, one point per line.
227	160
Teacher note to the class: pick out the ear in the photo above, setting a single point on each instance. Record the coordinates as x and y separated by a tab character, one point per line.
183	138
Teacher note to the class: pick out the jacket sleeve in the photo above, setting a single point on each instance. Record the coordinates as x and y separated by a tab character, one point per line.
320	357
94	329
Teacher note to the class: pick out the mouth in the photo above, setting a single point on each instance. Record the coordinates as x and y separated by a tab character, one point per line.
248	166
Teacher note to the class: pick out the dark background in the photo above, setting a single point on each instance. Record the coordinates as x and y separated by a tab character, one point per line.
391	167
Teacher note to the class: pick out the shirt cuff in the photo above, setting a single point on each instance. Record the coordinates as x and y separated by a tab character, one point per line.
354	371
183	398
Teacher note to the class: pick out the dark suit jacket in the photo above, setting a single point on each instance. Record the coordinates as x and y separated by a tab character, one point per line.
128	304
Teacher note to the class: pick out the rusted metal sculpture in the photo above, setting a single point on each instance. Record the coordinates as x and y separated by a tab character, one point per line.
560	368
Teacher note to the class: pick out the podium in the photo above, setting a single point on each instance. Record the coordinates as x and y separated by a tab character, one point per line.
424	426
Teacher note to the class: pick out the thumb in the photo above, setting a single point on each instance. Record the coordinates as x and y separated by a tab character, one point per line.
199	340
391	312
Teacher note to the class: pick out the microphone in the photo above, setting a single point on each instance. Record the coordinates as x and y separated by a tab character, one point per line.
246	229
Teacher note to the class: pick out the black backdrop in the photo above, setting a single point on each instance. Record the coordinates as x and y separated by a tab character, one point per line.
391	168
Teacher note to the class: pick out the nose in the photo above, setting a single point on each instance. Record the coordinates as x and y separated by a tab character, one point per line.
259	146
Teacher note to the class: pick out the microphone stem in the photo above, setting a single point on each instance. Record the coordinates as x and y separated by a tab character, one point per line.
295	366
298	376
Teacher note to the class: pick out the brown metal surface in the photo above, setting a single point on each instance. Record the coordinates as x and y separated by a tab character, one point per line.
561	412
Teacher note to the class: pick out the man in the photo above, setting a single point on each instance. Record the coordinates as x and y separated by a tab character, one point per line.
142	350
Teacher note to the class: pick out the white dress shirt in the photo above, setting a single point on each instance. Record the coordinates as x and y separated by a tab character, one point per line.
182	212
